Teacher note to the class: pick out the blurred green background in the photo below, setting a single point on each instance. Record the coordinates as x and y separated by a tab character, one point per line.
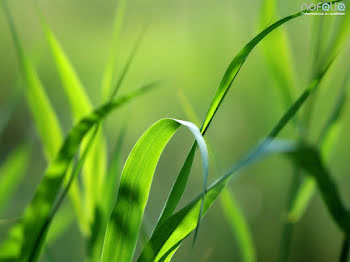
188	46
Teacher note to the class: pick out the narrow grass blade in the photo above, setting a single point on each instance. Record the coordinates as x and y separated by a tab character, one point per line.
176	227
277	53
125	222
309	159
230	207
169	235
326	141
21	244
238	225
41	110
95	167
112	57
229	76
12	171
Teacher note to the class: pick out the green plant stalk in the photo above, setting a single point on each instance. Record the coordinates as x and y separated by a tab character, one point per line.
344	253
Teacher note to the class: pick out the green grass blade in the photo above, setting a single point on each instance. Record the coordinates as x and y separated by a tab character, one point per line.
21	242
125	222
229	76
39	104
12	171
277	53
238	225
327	141
230	207
112	57
95	167
309	159
178	226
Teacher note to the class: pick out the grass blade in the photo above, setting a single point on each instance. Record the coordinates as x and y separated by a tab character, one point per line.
95	167
327	141
180	225
277	54
12	172
309	159
238	226
23	237
125	222
229	76
39	104
168	236
111	60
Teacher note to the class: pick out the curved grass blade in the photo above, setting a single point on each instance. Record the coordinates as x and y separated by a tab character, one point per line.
169	235
327	141
238	226
111	59
277	53
176	227
227	80
125	221
12	172
23	237
39	104
231	210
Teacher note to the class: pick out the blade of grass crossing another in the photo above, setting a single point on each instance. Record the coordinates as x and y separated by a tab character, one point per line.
227	80
21	243
178	226
125	222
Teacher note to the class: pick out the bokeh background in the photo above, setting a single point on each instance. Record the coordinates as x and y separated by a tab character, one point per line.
187	46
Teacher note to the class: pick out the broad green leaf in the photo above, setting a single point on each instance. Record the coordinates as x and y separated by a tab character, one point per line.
277	53
169	235
238	225
229	76
95	166
136	179
112	56
21	244
309	159
327	142
42	112
12	171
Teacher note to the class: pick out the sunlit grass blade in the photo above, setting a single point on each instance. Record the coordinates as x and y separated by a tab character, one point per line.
21	244
169	235
229	76
309	159
12	171
238	225
42	112
95	167
327	142
107	78
125	222
277	53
